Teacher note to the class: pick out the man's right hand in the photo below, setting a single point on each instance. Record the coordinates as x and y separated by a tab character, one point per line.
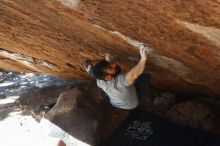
143	53
138	69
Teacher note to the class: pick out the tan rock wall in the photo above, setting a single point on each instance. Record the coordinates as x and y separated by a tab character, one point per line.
54	37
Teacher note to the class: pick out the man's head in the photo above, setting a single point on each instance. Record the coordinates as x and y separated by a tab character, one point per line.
105	70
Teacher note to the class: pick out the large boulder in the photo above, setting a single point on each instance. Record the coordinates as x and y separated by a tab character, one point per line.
37	99
192	114
80	113
56	36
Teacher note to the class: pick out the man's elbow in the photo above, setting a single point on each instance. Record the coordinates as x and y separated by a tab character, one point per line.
129	82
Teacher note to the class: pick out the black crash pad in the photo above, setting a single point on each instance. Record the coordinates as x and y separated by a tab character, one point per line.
213	140
145	129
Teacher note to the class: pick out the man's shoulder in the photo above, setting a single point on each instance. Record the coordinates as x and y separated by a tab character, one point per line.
120	79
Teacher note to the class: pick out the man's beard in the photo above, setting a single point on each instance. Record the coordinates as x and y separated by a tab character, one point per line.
118	70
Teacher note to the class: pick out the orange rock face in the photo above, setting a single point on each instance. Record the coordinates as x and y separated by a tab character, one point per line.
56	36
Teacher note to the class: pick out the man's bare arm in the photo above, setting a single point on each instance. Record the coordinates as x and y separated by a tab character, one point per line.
138	69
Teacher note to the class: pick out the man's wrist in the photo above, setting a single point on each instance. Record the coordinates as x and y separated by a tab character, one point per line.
143	60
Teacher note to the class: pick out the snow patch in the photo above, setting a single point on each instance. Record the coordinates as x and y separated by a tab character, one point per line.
9	99
23	130
54	131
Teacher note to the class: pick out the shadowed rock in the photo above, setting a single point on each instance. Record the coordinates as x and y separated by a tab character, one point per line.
79	114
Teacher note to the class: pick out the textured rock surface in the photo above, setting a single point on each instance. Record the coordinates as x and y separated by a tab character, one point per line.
78	113
54	37
192	114
77	116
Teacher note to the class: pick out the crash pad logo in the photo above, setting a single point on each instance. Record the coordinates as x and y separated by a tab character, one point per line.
140	130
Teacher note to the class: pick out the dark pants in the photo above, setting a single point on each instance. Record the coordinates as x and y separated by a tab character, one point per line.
142	85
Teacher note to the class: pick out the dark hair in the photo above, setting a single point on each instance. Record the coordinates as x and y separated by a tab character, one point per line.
99	69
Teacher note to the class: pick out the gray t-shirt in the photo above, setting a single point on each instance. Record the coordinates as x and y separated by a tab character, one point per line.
121	95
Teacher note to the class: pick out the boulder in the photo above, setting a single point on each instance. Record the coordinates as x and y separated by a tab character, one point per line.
194	110
38	98
80	114
192	114
56	36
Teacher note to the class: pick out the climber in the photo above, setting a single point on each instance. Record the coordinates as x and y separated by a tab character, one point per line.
124	90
